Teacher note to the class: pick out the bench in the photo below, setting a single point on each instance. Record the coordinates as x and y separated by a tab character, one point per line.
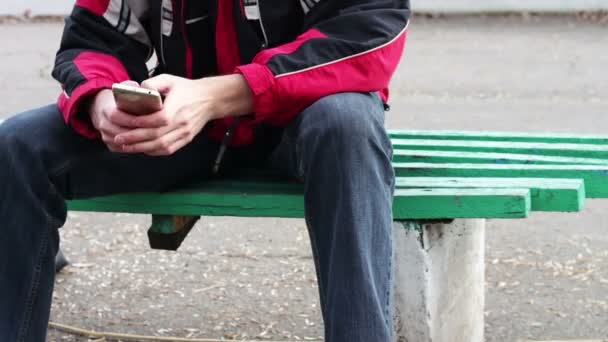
448	183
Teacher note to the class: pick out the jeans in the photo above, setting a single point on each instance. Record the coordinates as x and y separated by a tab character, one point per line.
337	147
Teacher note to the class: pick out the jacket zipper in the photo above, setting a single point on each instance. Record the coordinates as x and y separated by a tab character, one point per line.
186	43
265	45
162	48
228	134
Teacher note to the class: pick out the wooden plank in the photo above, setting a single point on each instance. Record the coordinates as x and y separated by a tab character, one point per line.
564	195
198	203
595	176
499	136
546	149
263	184
431	156
461	203
408	204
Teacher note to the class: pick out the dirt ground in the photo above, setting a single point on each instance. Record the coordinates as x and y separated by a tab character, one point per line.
547	276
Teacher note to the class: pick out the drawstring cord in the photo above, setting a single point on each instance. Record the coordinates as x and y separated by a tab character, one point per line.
224	146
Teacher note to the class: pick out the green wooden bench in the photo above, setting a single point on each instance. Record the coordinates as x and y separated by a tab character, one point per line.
441	176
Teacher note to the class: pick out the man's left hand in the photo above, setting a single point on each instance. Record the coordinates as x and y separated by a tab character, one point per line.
189	105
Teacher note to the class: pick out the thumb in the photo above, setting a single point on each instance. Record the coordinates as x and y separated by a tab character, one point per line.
161	83
130	83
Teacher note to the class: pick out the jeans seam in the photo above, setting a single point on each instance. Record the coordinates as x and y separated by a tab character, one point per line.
389	288
387	308
299	162
33	292
295	152
315	254
27	315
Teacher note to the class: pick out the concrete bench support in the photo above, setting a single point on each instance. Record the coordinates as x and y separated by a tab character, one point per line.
439	281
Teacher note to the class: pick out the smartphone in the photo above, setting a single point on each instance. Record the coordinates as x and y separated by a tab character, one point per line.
136	100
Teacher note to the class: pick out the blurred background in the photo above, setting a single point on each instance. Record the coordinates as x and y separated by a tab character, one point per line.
41	7
523	65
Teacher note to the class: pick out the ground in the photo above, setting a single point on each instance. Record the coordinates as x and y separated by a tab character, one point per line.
547	276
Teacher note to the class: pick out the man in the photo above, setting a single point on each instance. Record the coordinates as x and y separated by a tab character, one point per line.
298	85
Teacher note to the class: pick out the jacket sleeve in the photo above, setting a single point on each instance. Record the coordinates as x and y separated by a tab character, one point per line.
103	42
355	49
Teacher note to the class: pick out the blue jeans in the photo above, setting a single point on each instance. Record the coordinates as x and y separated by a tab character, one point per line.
338	147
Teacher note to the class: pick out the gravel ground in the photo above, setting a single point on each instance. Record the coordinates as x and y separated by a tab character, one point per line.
547	276
230	279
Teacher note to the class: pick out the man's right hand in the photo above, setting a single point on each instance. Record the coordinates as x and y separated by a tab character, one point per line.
109	120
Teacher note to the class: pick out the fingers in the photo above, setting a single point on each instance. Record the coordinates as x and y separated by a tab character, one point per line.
130	83
120	118
108	132
140	135
164	84
158	119
176	146
114	148
108	127
161	83
165	145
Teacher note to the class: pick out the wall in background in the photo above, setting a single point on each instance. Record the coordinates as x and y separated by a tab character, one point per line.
38	7
487	6
61	7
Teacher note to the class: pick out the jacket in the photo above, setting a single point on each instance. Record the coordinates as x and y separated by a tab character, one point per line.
291	52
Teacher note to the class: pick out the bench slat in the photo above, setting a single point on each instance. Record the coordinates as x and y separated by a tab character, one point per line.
432	156
198	203
595	176
545	149
408	204
499	136
461	203
564	195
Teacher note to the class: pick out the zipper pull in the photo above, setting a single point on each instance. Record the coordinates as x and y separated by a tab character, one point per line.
224	146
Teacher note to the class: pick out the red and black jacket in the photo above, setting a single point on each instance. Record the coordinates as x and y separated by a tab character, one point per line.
291	52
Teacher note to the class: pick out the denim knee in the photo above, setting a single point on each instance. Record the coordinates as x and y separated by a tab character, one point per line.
9	141
346	121
22	161
17	142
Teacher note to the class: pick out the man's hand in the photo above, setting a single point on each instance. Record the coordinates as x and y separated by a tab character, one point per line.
189	105
109	120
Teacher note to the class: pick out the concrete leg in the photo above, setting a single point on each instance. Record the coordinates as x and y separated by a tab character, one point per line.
439	281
